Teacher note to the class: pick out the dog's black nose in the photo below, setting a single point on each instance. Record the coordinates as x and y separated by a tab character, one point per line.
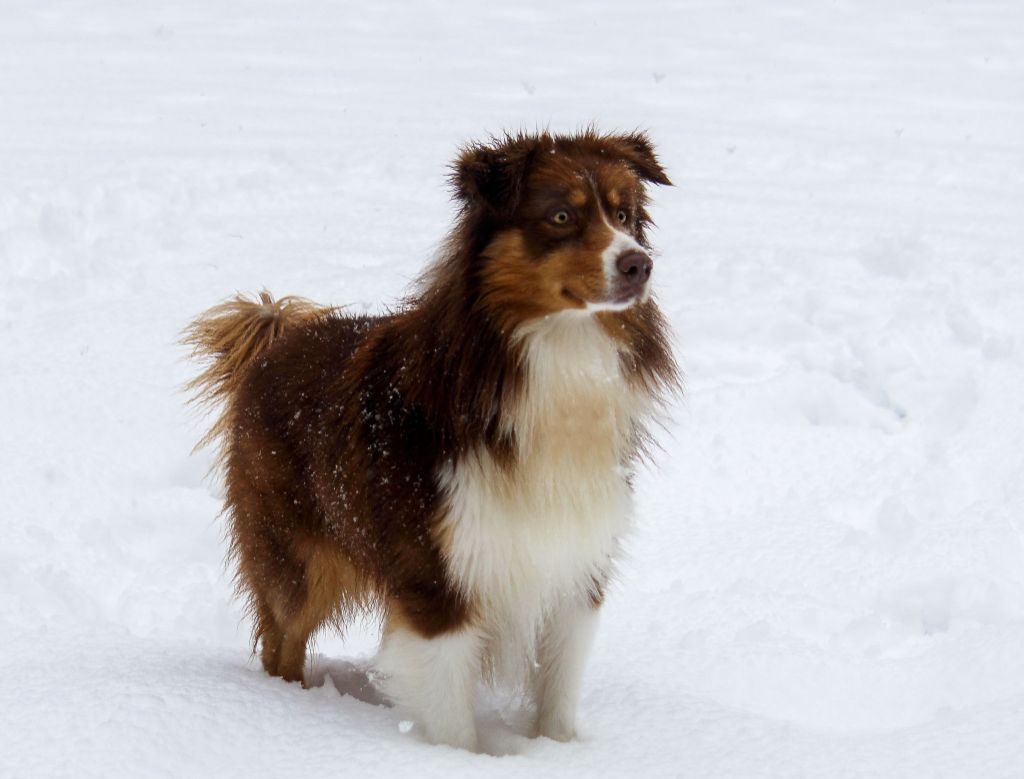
635	266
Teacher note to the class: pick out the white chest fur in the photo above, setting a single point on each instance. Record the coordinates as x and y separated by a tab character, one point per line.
520	541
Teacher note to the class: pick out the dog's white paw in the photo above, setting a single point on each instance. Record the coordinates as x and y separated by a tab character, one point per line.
555	727
459	737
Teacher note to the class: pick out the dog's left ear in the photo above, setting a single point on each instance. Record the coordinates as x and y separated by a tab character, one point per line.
492	176
636	148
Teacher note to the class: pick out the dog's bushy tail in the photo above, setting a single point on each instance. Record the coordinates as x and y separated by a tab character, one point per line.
227	337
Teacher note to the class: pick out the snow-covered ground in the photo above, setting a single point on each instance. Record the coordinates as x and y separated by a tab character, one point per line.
827	575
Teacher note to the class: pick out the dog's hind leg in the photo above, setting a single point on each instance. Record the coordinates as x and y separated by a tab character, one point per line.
288	599
295	635
323	587
287	615
283	620
269	636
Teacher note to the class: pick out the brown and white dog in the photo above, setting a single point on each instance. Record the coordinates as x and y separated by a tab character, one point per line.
461	466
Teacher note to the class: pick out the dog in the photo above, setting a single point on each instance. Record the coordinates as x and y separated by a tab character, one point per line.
461	466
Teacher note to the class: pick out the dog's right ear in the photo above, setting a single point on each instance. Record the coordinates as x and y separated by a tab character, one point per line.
492	176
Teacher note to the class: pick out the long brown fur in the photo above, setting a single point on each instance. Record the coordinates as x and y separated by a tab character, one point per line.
334	427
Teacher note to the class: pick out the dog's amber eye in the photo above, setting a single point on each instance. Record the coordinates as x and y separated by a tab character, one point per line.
560	217
622	216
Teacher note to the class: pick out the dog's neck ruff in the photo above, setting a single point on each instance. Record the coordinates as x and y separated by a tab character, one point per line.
521	538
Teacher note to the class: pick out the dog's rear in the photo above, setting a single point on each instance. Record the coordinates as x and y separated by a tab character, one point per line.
228	339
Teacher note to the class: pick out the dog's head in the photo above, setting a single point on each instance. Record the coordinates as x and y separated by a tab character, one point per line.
565	220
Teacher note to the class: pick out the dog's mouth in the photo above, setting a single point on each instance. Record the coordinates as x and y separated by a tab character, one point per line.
628	298
620	302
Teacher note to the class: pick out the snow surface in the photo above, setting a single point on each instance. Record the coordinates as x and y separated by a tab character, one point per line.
827	575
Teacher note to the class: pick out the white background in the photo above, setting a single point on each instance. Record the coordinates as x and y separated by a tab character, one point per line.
827	573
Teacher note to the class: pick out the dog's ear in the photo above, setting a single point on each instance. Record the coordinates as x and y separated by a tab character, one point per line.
492	176
636	149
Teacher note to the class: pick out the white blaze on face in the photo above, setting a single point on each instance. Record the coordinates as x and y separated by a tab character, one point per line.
620	243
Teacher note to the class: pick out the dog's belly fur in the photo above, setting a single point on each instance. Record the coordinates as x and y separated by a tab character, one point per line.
521	542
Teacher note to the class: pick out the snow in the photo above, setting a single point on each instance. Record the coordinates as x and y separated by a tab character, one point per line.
827	573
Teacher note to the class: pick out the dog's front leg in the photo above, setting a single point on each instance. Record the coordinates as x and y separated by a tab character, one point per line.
434	680
561	657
